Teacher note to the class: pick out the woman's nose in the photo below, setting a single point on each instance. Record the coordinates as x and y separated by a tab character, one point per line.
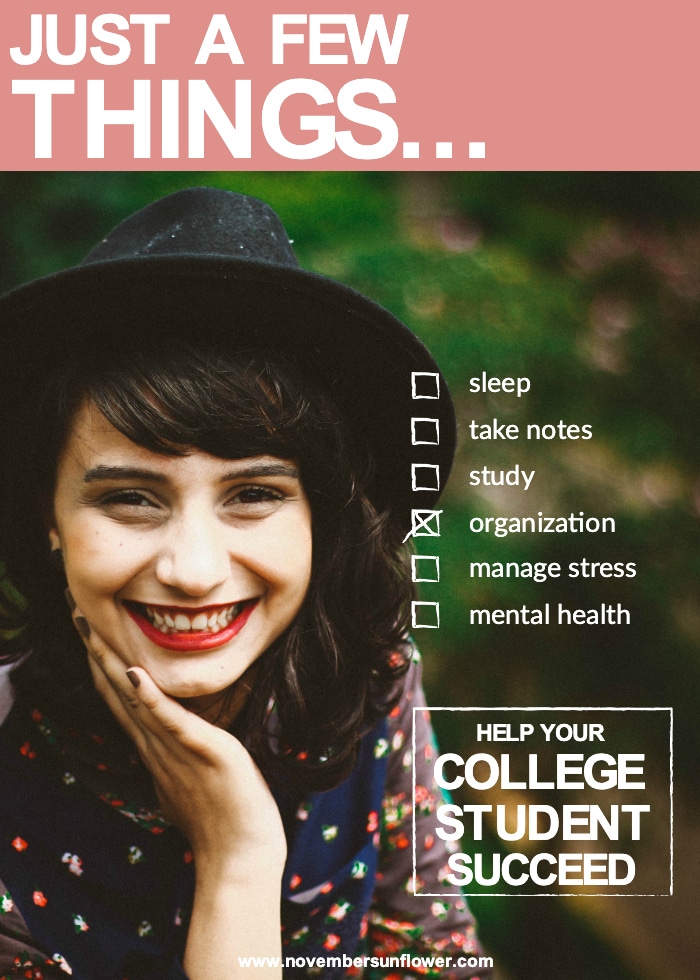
194	558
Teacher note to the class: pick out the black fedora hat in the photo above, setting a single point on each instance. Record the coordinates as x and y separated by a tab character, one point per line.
216	266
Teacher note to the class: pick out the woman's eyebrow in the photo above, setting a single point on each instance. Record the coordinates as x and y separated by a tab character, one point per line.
123	473
248	472
261	469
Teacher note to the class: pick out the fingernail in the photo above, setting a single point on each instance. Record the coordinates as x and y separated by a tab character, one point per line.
69	599
133	677
82	626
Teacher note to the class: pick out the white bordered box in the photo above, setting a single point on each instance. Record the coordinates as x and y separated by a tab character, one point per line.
497	730
425	384
425	432
425	615
425	524
425	568
425	476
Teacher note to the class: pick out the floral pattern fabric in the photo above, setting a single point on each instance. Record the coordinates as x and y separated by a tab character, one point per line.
92	869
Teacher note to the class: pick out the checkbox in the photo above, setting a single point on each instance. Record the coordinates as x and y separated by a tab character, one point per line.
425	476
425	568
424	524
425	384
425	615
425	432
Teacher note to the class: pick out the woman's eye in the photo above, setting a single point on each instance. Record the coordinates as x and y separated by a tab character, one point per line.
252	496
127	498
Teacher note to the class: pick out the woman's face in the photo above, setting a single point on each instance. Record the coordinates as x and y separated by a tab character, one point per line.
187	566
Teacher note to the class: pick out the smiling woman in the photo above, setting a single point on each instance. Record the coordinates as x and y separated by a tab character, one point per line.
210	717
188	554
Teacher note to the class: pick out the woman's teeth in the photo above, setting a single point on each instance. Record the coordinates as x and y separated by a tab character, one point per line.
203	622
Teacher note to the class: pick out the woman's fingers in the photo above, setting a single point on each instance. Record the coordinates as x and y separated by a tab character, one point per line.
142	706
165	711
109	676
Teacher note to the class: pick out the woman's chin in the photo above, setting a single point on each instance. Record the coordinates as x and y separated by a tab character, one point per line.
181	676
187	690
212	702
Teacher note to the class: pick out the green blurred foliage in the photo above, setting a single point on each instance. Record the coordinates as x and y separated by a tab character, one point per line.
588	285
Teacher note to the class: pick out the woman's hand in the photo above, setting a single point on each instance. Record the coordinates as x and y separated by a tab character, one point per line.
210	788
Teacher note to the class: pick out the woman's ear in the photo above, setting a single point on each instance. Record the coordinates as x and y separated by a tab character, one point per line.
54	539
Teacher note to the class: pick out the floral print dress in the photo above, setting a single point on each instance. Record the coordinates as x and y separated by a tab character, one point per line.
98	885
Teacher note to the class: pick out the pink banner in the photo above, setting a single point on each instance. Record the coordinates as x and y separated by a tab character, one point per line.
450	84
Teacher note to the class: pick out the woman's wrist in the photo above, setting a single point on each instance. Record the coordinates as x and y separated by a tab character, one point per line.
239	869
236	915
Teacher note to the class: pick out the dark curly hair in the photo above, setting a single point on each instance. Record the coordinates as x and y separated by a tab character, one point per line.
330	674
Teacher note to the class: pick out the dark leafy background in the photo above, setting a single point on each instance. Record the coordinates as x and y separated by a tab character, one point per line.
589	285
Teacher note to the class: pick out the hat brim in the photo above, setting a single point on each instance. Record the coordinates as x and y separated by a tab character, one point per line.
358	351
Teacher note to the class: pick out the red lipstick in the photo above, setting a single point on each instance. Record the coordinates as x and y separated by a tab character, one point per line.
190	640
